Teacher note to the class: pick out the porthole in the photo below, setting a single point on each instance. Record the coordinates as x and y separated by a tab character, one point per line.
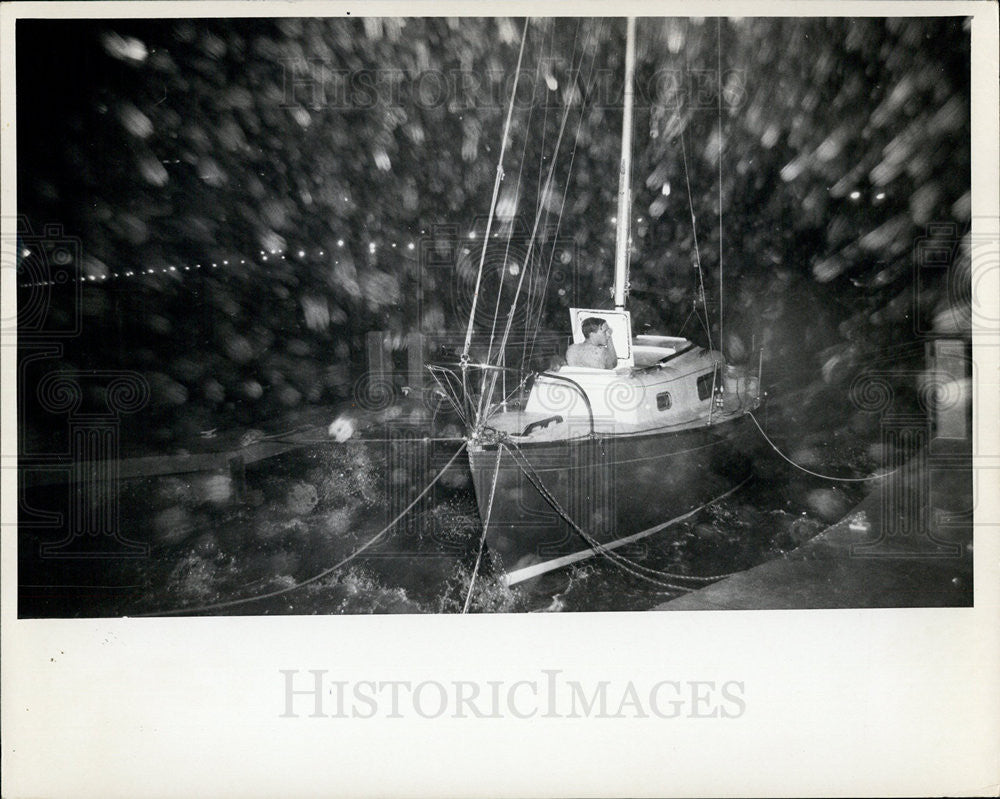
663	401
705	384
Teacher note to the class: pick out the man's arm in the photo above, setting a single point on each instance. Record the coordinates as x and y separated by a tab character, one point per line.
610	356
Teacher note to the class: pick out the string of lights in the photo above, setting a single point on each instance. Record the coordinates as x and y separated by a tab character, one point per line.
207	266
263	255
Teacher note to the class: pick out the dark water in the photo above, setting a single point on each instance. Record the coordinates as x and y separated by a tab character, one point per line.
215	540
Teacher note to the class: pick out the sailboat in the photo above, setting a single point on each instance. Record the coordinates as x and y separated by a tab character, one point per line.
595	460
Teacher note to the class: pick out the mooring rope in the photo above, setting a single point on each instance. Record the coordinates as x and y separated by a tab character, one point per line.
322	574
635	569
316	441
482	540
809	471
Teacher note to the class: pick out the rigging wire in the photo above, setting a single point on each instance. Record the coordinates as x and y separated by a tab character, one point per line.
538	187
485	399
493	202
510	234
688	319
718	31
562	205
545	119
705	322
531	243
697	252
531	293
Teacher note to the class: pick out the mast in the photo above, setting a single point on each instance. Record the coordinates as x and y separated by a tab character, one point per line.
625	173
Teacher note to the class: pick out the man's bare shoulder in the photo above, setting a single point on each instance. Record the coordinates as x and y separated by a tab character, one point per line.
584	354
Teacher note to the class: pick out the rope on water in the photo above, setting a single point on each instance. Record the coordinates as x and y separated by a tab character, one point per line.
482	540
808	471
625	564
322	574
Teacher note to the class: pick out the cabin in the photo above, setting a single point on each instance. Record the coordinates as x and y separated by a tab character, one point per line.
659	382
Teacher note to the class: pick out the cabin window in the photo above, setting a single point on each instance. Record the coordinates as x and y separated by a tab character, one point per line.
663	401
705	383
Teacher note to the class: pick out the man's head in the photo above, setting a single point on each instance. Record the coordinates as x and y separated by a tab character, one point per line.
595	330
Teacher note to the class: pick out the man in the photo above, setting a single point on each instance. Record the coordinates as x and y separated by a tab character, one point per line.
598	350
